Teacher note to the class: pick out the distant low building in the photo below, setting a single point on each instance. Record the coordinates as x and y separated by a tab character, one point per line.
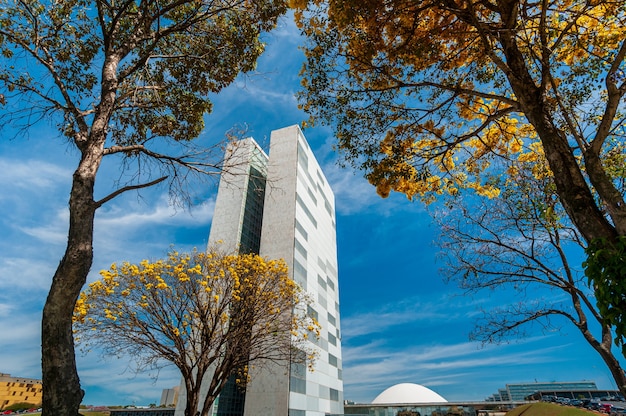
606	396
520	391
169	397
19	390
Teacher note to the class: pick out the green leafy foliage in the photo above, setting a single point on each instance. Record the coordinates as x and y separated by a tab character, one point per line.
159	60
605	268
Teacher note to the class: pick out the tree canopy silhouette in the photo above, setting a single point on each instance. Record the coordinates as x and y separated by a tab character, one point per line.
437	96
128	80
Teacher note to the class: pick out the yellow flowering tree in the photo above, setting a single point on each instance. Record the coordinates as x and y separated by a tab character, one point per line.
433	97
211	315
426	96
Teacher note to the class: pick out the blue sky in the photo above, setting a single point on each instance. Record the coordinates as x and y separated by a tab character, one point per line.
400	322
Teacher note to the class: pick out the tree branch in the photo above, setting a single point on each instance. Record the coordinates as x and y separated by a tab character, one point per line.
120	191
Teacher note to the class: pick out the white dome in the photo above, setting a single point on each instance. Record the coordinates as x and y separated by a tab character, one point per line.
408	393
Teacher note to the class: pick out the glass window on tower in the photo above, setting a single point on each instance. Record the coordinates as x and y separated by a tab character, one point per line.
297	376
253	218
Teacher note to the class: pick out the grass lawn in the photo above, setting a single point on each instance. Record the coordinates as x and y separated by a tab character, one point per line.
82	411
548	409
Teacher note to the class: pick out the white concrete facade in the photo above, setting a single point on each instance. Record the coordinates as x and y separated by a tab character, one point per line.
229	214
298	225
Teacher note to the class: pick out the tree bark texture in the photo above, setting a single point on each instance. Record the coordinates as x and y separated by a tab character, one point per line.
603	348
62	394
572	188
192	396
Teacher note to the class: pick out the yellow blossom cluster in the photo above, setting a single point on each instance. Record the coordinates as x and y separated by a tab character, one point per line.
587	29
429	100
535	158
188	294
509	139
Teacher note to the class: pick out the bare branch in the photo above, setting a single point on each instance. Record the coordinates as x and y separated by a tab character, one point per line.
120	191
521	241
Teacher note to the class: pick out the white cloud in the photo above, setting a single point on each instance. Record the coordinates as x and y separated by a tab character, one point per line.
34	226
376	366
400	313
123	385
26	274
21	340
17	324
286	31
374	322
353	194
53	231
135	232
412	340
116	218
32	174
255	87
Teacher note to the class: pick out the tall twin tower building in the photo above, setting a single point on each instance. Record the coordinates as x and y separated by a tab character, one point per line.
281	206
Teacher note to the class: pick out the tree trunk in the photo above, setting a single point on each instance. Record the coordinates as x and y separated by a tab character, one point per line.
610	195
616	371
604	349
602	345
571	186
191	405
62	394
